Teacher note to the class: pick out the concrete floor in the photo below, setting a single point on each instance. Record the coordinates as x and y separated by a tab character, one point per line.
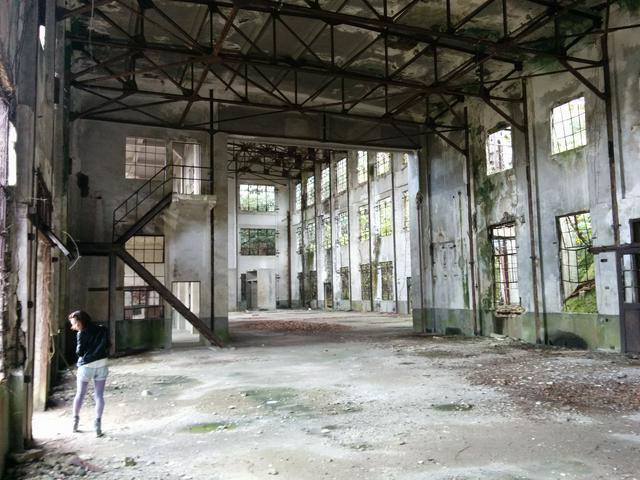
368	401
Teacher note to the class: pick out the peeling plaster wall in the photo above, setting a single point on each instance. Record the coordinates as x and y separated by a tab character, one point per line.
327	263
98	151
565	183
276	264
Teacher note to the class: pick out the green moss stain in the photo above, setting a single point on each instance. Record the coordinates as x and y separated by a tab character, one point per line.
453	407
210	427
629	5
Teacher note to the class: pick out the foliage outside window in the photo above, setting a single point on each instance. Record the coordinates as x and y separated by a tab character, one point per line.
341	175
385	219
405	210
499	151
405	160
310	228
257	241
568	126
577	264
383	163
363	220
505	265
311	191
257	198
298	205
140	300
365	280
325	184
299	239
363	165
326	232
343	228
144	157
344	283
386	273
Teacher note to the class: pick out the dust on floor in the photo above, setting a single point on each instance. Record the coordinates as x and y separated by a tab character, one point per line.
368	401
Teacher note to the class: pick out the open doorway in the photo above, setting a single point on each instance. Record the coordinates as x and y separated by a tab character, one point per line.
181	330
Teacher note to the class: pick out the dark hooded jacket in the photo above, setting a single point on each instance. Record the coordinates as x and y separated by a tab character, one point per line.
92	344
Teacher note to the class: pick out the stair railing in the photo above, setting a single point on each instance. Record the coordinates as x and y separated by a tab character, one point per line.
172	178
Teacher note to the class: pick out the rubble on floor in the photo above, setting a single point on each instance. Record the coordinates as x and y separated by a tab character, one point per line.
294	326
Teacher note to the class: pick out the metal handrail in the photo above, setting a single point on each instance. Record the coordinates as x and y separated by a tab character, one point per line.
160	179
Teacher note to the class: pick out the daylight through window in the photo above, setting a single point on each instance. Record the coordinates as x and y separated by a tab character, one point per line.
568	126
499	151
257	241
144	157
505	265
257	198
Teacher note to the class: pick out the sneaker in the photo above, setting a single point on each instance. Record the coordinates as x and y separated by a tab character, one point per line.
98	425
76	423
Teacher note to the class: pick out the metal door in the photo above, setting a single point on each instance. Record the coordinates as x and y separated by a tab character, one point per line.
629	281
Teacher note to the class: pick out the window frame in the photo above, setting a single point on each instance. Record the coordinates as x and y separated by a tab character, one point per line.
266	194
362	161
552	138
388	164
498	167
342	177
508	255
258	236
147	167
564	295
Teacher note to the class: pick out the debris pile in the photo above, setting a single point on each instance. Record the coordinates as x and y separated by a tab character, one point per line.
293	326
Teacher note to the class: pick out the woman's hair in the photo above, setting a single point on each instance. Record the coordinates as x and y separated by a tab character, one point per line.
81	317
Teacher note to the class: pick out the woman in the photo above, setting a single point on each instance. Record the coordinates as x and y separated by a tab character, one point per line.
92	350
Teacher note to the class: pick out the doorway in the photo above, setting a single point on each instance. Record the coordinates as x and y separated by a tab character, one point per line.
328	295
629	260
181	330
187	178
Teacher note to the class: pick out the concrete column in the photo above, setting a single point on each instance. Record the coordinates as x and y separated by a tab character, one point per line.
220	239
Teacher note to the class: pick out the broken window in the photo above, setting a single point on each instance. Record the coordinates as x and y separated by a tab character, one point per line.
325	184
384	214
499	151
386	274
363	220
383	163
140	300
257	198
365	280
299	239
257	241
343	228
568	126
505	265
344	283
144	157
326	232
311	235
311	191
341	175
405	210
577	268
363	165
298	205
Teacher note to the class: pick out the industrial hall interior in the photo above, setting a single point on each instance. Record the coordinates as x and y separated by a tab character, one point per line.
292	216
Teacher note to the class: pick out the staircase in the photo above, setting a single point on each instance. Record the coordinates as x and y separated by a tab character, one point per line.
143	205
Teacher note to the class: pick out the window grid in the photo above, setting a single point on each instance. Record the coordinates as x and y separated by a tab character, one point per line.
363	165
325	184
505	265
383	211
326	232
343	228
140	300
310	231
405	160
576	260
257	198
365	280
298	205
568	126
363	220
344	283
257	241
311	191
499	151
383	163
144	157
405	210
299	239
386	273
341	175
